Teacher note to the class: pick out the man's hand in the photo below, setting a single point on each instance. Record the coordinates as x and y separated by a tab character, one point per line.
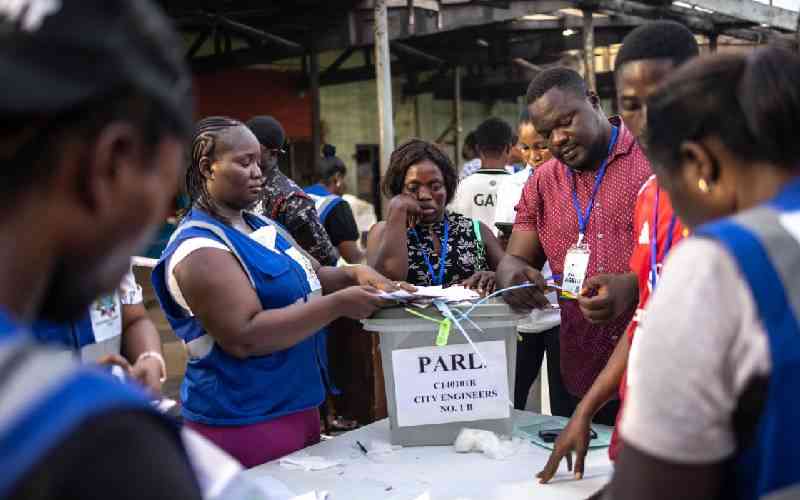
515	271
574	437
605	296
482	282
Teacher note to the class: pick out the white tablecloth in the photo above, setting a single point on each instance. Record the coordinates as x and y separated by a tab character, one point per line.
435	472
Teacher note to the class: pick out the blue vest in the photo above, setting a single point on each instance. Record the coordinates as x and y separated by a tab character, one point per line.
765	242
219	389
59	396
324	200
101	323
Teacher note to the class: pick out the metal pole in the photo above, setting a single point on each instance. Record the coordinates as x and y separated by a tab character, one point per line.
316	123
458	129
412	18
383	78
588	49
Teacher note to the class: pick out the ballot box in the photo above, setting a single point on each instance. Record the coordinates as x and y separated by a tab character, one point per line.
434	391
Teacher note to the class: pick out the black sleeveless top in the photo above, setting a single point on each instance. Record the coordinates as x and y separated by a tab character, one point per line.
465	254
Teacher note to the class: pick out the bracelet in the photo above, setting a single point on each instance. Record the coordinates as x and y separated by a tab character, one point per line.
160	358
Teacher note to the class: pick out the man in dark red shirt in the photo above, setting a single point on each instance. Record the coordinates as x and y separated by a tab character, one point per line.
589	189
648	55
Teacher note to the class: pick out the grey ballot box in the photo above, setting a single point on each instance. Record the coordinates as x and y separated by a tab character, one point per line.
400	330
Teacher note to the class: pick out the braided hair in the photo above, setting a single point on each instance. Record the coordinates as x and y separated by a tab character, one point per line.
204	140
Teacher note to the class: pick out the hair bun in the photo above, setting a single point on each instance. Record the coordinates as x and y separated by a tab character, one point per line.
328	151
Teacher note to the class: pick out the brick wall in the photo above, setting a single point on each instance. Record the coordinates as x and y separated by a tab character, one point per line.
242	93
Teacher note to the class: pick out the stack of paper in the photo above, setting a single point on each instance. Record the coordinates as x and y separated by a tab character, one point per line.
426	294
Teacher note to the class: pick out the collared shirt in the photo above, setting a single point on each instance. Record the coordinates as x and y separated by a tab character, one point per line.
546	207
286	203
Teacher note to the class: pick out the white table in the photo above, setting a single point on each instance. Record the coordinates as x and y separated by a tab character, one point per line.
435	472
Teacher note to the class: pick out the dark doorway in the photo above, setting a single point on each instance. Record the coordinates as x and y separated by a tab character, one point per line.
369	176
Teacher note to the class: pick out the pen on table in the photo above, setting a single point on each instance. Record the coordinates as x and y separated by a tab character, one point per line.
361	447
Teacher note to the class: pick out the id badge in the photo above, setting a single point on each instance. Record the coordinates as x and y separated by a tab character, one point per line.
575	265
106	316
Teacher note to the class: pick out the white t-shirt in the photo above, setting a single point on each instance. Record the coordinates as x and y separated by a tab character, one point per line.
699	345
129	291
508	195
476	197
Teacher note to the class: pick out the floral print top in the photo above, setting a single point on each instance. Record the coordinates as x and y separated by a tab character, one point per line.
465	254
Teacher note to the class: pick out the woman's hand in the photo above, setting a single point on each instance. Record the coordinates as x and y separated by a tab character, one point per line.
358	302
483	282
366	276
147	371
407	204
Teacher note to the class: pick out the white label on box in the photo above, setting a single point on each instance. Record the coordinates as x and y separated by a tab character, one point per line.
440	385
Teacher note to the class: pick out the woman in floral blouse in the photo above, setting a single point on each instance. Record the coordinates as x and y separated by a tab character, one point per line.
421	242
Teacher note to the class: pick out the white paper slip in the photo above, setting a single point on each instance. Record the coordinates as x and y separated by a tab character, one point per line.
456	293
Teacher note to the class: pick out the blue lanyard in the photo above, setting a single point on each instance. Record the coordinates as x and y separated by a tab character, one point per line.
442	258
583	218
654	242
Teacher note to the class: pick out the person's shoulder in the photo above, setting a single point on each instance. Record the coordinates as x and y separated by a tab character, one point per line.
648	189
548	169
705	268
297	204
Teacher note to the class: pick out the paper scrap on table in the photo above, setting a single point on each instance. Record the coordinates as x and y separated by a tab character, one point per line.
314	495
487	443
307	463
380	447
456	293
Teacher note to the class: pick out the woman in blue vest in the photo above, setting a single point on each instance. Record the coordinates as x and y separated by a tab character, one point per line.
334	212
249	303
115	331
713	375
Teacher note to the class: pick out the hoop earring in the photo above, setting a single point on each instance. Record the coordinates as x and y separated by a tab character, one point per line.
702	185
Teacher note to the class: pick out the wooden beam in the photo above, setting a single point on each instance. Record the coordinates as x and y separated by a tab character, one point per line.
751	11
415	53
337	63
453	17
246	30
693	22
198	42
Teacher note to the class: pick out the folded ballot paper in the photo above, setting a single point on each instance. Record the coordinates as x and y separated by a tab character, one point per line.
427	294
